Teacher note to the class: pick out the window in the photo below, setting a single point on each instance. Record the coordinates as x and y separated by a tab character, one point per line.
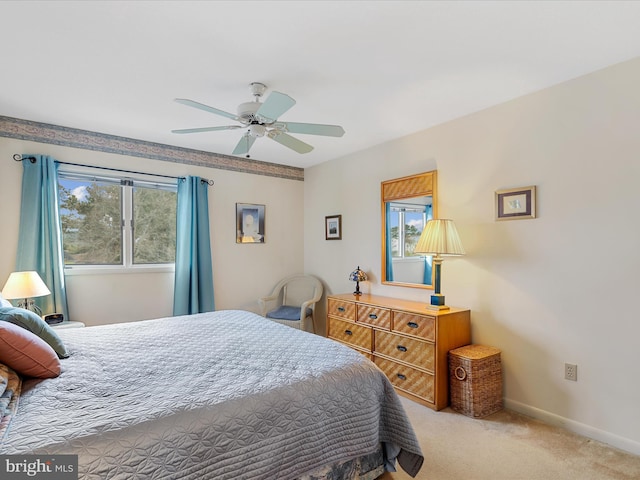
407	222
111	221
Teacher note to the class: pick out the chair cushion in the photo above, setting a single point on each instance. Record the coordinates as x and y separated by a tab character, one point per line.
285	312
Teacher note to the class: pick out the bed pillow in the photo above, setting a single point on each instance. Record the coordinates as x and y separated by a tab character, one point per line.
26	353
32	322
4	302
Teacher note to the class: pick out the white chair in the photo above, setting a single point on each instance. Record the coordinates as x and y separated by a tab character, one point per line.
293	301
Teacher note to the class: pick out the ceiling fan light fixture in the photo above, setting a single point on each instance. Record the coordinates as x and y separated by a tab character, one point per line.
257	130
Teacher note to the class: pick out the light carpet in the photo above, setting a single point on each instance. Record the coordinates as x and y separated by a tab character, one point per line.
509	446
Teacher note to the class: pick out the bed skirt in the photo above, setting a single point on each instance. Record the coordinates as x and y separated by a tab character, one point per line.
367	467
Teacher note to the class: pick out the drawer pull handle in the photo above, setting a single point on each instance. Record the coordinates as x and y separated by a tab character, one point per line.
412	325
401	376
373	316
341	309
348	332
402	348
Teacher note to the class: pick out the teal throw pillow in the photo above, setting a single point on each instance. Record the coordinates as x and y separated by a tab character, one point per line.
31	321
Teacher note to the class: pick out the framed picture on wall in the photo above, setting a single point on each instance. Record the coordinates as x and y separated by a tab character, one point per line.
333	227
249	223
516	203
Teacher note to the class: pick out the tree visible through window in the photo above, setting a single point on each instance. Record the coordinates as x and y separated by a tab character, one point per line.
154	226
406	223
108	221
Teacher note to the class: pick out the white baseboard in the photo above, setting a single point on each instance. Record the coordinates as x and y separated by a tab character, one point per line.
588	431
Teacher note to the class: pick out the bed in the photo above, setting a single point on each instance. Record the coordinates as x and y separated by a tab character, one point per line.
221	395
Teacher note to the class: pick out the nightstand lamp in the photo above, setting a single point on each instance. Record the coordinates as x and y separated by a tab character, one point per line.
439	239
25	286
357	276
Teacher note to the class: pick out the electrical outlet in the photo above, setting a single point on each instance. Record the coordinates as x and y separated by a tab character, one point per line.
571	372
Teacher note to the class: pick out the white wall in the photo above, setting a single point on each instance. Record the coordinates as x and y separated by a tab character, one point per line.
555	289
242	272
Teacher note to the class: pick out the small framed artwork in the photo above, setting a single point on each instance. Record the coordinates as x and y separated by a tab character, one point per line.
333	227
516	203
249	223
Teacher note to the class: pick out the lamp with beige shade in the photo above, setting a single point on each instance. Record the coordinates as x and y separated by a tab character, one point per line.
25	286
439	239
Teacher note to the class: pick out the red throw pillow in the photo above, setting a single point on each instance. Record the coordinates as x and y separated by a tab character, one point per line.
27	353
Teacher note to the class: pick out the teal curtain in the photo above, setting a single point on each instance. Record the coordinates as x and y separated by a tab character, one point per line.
193	291
428	268
389	256
40	235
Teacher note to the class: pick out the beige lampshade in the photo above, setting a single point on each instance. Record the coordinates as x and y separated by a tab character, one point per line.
24	285
440	237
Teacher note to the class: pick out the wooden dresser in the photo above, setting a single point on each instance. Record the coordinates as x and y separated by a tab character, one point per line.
408	342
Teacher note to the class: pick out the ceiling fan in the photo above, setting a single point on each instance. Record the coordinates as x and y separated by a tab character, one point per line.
261	119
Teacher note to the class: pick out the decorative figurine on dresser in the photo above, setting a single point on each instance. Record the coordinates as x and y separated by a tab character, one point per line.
407	341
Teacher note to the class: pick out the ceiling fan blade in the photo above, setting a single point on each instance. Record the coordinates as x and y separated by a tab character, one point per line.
206	129
206	108
244	145
314	129
275	105
291	142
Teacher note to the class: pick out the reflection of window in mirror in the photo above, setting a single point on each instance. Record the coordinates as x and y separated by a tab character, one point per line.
406	221
407	204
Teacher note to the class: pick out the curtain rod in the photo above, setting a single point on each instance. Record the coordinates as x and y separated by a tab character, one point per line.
18	158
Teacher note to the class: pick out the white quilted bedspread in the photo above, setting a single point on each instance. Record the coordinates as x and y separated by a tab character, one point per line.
223	395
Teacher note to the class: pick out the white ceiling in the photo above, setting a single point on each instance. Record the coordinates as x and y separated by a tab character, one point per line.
380	69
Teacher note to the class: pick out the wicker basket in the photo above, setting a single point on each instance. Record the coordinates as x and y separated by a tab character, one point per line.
475	375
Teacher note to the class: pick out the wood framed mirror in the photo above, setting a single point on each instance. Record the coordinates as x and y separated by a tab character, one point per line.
407	204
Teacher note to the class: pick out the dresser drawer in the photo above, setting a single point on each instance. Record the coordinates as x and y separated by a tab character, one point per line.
409	350
350	333
374	316
417	325
341	308
406	378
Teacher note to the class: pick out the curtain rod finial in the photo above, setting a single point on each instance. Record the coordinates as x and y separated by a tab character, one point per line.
18	158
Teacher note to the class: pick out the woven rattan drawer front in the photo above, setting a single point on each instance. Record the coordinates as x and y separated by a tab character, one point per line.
406	378
341	308
418	325
350	333
374	316
409	350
